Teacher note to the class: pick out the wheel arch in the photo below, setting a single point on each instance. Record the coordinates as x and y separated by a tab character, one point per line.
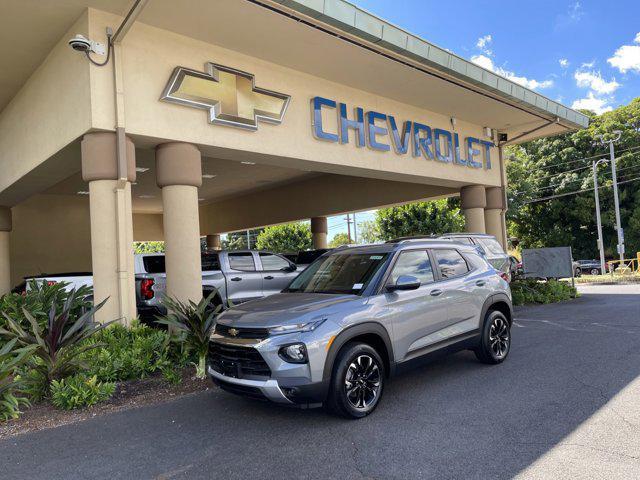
499	302
371	333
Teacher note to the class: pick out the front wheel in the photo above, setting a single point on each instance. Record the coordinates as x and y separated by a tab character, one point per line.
577	272
357	381
495	341
595	271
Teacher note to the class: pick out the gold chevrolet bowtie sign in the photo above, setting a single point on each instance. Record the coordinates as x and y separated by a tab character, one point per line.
230	96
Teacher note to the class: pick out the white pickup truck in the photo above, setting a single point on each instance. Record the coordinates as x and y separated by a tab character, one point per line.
238	276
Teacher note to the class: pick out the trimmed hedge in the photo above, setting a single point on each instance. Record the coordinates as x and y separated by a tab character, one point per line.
528	291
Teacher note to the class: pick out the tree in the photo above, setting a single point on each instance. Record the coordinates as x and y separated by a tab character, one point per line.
148	247
548	168
339	239
238	240
287	238
369	232
421	218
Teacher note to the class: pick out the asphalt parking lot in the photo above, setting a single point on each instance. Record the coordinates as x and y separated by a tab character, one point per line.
564	405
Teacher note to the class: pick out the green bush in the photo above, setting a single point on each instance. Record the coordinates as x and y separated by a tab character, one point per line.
533	291
131	353
79	391
10	359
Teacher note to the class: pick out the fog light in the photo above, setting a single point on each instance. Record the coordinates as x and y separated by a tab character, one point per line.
294	353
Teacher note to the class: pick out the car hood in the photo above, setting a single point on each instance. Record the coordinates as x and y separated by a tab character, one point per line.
285	309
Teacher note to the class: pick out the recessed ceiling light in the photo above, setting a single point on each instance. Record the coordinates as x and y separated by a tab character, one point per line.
141	169
208	175
146	196
82	192
248	163
201	199
134	183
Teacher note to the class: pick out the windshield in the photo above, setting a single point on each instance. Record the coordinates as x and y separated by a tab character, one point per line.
339	273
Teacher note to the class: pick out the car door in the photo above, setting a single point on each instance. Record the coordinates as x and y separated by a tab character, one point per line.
277	273
463	288
244	281
414	314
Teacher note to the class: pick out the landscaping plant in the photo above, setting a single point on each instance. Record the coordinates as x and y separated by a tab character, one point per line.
10	359
192	325
79	391
533	291
58	344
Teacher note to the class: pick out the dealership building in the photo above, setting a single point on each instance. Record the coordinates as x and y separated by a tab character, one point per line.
211	116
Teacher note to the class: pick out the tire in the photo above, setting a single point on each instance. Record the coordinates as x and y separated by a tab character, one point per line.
492	351
595	271
577	272
352	370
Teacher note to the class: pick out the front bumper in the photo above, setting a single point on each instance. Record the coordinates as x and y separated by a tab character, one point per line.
270	389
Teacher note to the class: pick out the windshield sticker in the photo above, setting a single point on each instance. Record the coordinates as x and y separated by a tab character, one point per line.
358	286
375	257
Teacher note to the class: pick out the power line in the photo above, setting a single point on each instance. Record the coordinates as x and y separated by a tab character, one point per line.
551	197
601	155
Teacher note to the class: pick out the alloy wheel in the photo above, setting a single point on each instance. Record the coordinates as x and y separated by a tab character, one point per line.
499	338
362	382
595	271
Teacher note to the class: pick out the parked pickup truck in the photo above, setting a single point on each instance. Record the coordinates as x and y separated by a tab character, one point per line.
238	276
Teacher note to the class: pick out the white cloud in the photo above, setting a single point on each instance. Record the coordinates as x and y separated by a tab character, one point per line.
564	63
575	12
591	102
487	63
627	57
594	81
590	64
484	43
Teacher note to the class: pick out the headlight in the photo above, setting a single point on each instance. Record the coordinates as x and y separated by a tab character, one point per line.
294	353
298	327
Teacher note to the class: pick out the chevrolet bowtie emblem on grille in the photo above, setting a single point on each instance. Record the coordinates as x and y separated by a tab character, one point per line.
230	96
234	332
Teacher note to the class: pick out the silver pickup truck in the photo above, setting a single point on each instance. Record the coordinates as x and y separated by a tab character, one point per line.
238	276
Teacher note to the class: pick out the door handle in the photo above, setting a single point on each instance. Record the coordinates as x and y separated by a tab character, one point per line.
236	279
268	277
480	283
435	293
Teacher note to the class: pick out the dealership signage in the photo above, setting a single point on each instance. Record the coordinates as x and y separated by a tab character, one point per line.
382	132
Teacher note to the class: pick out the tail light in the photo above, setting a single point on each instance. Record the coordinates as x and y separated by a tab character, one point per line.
146	288
504	276
51	282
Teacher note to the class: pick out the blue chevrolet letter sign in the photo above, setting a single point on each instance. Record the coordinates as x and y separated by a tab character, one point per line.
379	131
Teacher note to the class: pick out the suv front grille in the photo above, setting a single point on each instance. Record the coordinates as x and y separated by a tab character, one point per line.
237	362
256	333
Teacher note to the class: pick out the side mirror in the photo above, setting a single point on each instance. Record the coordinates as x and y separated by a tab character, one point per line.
404	282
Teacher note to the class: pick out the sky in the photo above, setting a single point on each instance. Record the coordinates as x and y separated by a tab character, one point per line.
584	54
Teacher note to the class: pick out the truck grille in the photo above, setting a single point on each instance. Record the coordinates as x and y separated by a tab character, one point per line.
257	333
237	362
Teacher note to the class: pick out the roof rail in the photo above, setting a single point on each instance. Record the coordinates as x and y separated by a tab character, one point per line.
412	238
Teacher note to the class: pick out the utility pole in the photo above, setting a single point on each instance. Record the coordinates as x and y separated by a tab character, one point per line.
599	222
349	227
355	229
616	202
248	240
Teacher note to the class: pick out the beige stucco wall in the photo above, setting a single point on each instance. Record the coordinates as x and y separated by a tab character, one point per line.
51	110
147	227
150	55
51	234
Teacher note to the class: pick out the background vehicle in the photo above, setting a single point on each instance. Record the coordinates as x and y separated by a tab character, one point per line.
590	267
356	316
238	276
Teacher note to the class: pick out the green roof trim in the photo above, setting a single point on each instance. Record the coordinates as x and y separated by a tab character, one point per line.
349	18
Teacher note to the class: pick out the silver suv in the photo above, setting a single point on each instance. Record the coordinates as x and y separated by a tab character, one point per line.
358	315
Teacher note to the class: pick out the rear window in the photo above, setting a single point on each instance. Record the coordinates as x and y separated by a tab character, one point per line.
154	264
490	245
451	263
210	262
242	261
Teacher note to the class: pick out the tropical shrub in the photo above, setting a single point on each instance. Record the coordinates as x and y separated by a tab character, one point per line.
79	391
58	345
10	359
192	324
533	291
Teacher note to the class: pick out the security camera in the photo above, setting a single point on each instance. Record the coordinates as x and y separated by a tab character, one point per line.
80	43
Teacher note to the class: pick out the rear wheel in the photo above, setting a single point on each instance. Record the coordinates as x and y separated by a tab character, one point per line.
595	271
357	381
577	272
495	341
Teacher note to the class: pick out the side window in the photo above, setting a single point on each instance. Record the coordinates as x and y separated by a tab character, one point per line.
415	263
273	262
491	245
242	261
450	263
463	240
210	262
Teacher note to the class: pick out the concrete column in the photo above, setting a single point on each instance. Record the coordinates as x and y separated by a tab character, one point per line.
493	214
179	175
213	242
473	200
111	225
319	232
5	258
